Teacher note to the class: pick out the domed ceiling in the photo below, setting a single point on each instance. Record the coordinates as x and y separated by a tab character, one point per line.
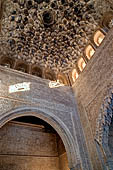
50	33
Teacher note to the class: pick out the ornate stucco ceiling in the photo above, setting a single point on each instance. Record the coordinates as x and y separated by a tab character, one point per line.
50	33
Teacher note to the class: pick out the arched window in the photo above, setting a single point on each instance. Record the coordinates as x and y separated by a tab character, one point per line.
7	62
81	64
36	71
21	66
50	75
98	37
107	20
74	75
62	78
89	51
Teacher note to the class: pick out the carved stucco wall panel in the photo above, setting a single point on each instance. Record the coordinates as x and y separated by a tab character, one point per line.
90	90
55	106
104	119
102	132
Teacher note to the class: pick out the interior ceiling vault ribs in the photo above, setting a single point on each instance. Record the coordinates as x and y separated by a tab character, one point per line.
50	33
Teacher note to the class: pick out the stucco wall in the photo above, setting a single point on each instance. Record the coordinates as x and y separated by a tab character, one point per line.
92	87
54	105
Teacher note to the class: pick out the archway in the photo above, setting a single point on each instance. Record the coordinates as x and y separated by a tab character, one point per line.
29	143
51	119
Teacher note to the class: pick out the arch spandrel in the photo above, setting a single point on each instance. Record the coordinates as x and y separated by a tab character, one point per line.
55	122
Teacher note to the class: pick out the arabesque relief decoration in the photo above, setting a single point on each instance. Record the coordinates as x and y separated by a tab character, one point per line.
104	120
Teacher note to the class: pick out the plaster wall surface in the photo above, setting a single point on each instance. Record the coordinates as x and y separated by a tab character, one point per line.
26	163
21	139
90	89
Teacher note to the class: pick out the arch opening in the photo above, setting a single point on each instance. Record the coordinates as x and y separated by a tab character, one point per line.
89	52
36	71
28	142
74	75
62	78
81	64
63	131
98	37
21	66
7	62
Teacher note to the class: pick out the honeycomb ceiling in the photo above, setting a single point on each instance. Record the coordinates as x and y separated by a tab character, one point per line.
50	33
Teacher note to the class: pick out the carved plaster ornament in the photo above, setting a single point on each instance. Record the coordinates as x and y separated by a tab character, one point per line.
104	119
54	84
